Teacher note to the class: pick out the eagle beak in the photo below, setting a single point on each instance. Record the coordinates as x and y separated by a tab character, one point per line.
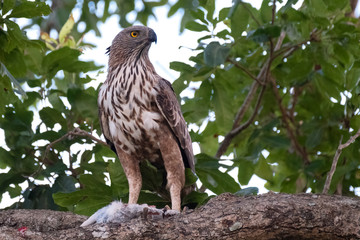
152	36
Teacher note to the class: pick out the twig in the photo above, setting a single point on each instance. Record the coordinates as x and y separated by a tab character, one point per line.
297	147
236	64
336	159
280	41
75	132
273	12
237	130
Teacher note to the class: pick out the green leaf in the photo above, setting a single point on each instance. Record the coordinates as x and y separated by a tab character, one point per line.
246	170
84	102
343	55
196	27
7	6
317	8
34	83
119	183
210	7
195	199
223	14
266	11
28	9
263	170
352	78
239	20
39	197
261	34
327	86
181	67
200	15
55	100
51	116
65	59
207	169
315	138
64	184
151	198
68	199
14	191
215	54
247	191
276	141
152	177
223	101
11	177
336	5
87	201
6	94
288	5
190	177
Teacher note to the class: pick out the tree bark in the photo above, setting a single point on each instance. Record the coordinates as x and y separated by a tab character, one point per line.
268	216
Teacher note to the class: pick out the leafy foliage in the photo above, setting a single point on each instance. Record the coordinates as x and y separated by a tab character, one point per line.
277	89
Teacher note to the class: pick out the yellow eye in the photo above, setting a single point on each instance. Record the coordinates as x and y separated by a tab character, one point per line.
134	34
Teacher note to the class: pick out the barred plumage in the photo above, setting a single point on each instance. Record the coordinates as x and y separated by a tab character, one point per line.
140	116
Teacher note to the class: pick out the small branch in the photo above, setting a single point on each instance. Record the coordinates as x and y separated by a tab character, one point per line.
75	132
237	130
350	141
280	41
273	12
236	64
336	159
333	168
296	145
82	133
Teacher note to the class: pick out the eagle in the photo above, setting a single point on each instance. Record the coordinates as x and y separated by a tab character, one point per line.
140	116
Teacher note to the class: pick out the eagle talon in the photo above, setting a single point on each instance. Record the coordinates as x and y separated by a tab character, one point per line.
185	209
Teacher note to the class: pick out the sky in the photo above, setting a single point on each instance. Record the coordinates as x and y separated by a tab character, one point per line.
161	54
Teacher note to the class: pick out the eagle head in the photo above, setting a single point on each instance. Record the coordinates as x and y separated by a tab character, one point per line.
131	42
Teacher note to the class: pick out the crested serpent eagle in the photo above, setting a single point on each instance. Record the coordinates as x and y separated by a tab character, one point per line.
140	116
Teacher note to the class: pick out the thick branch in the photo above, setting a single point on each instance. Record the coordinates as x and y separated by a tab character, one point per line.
336	158
268	216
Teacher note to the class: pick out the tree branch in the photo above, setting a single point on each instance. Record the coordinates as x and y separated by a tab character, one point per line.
236	64
237	130
75	132
336	159
273	10
262	217
296	145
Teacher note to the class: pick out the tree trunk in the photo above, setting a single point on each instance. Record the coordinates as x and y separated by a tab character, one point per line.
268	216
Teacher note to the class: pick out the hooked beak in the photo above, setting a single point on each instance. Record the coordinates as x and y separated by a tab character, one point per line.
152	36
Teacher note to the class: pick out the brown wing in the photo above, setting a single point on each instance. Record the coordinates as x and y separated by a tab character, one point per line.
170	109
